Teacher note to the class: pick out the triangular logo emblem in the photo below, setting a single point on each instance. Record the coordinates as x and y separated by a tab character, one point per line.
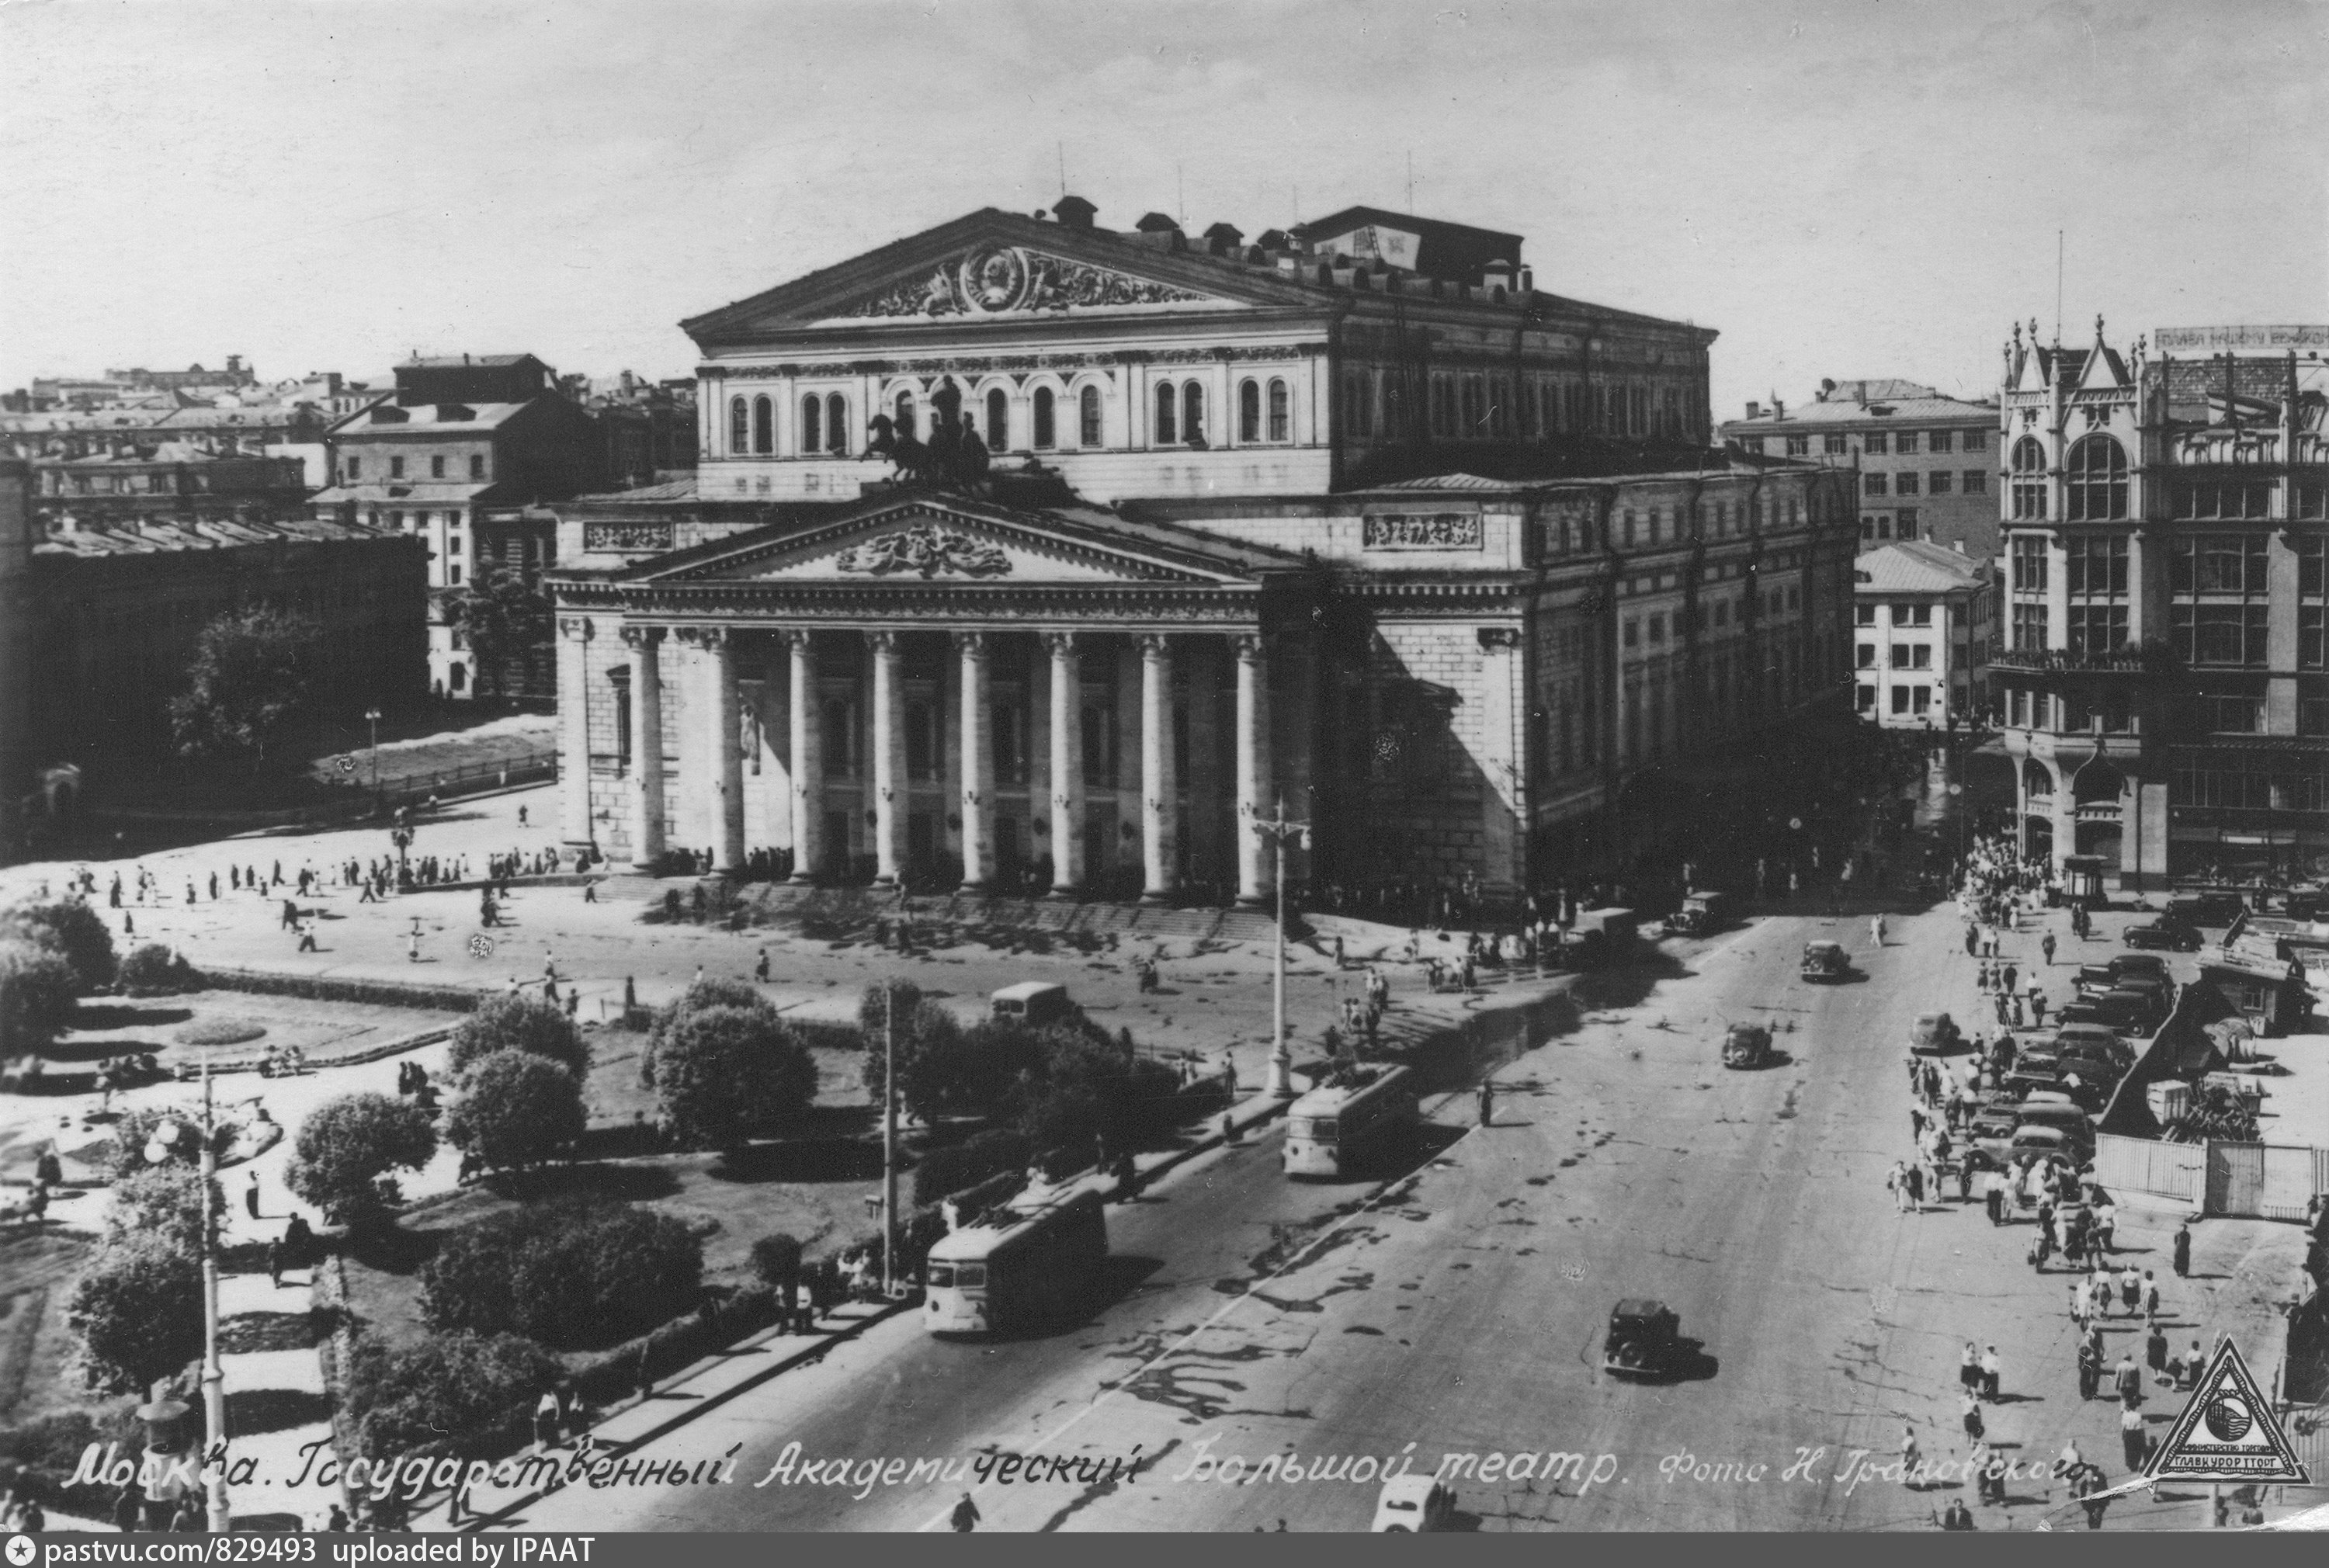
2228	1433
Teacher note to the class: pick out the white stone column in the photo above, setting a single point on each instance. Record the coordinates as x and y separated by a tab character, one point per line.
977	763
807	737
1503	829
723	755
1254	862
646	746
888	759
1158	777
574	728
1067	764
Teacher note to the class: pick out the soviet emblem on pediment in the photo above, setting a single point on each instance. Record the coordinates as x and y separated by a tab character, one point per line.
1007	277
926	551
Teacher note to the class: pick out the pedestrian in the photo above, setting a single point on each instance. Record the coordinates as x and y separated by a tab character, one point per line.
1989	1374
413	945
1957	1516
2155	1351
2005	980
1916	1177
336	1522
2127	1378
1965	1177
1487	1101
521	816
1972	939
2150	1297
966	1515
545	1420
1969	1410
2183	1249
760	969
1993	1197
275	1264
2130	1289
1969	1368
250	1195
589	892
1876	929
2078	1305
2046	946
2091	1369
2131	1437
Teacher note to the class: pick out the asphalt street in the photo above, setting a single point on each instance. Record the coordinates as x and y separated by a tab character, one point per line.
1460	1311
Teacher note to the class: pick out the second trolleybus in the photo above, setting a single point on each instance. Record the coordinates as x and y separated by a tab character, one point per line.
1036	1260
1338	1126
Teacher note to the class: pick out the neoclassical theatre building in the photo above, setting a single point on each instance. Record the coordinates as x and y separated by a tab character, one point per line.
1026	555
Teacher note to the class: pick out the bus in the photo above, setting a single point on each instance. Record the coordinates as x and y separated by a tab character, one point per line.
1033	1260
1335	1127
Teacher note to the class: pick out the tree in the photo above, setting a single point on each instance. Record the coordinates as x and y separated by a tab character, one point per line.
726	1071
70	928
155	970
38	993
135	1127
253	674
1091	1084
502	616
516	1109
163	1200
512	1022
449	1384
701	994
777	1259
137	1309
348	1144
571	1274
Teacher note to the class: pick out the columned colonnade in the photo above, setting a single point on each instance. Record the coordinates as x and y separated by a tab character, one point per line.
716	706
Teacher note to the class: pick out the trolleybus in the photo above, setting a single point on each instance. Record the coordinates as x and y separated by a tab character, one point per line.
1338	1125
1033	1260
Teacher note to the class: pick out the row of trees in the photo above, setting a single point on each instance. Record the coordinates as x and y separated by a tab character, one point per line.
51	955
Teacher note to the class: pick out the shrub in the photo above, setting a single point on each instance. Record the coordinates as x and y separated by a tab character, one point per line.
511	1022
138	1310
218	1032
163	1200
727	1071
568	1275
70	928
38	993
776	1260
155	970
134	1129
348	1144
516	1109
703	994
449	1386
1090	1084
943	1172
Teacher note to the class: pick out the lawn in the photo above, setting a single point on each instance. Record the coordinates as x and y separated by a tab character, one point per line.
36	1349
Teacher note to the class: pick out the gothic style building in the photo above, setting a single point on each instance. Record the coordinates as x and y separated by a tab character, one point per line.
2164	680
1353	517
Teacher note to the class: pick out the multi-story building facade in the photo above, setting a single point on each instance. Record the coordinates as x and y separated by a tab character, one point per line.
1922	625
177	480
1005	683
2163	679
1926	460
460	438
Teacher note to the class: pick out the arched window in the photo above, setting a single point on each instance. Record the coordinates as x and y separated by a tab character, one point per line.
1248	411
812	425
1087	401
837	423
1044	433
2095	479
740	426
2028	465
998	421
906	416
1193	414
2036	780
764	425
1165	434
1281	413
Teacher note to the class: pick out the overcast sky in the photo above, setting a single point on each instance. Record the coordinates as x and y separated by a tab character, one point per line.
1854	188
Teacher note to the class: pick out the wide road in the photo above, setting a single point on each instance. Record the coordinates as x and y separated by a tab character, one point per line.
1461	1311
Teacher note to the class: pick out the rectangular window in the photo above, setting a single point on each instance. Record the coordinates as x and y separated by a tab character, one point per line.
356	469
477	466
2217	633
2310	646
1920	698
1865	698
2311	554
1900	655
1904	484
2028	627
1977	440
1867	657
1873	484
1940	440
2094	565
1905	443
1875	441
1799	446
1835	445
1975	481
1900	699
2218	563
1632	634
1907	526
1657	629
2096	629
1921	657
2227	501
2231	715
437	467
1863	614
1937	482
396	468
2029	565
1912	616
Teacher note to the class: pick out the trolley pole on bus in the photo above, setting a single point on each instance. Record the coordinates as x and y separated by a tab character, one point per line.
889	1136
1278	830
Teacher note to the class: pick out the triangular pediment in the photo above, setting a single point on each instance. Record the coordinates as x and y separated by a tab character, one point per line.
933	541
1000	266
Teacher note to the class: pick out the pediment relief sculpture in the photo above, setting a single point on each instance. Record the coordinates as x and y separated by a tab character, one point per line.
1007	277
927	552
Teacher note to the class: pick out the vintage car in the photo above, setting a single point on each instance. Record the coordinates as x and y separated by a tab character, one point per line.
2024	1142
2124	964
1825	961
2093	1039
1640	1341
1934	1034
1746	1046
1412	1504
1703	911
2168	931
2207	908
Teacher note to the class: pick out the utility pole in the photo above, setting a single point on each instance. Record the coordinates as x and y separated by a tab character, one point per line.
889	1136
157	1151
1278	830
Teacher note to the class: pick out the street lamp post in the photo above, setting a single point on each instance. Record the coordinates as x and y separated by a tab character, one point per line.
371	717
889	1136
165	1139
1278	830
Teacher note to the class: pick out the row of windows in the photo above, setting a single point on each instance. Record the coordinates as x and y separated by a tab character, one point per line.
1904	656
1911	700
1899	443
2224	782
354	469
2219	563
1938	481
1882	525
1498	407
2094	479
1265	415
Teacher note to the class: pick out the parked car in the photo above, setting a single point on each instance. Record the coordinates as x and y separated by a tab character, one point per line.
2034	1142
2167	931
1934	1034
1746	1046
1703	911
2126	963
2087	1012
2069	1120
1825	961
1412	1504
2094	1039
1640	1341
2207	908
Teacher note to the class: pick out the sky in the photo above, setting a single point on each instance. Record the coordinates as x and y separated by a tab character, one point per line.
1849	189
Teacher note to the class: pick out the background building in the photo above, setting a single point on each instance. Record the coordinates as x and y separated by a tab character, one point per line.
2163	681
169	481
16	530
458	438
1927	462
1923	620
